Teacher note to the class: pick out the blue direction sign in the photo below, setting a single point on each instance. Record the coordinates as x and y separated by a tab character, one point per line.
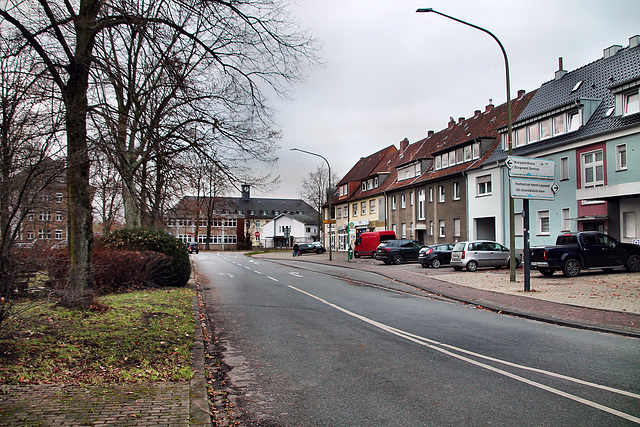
531	168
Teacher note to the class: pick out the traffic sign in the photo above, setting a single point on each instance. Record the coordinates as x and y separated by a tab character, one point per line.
533	189
257	234
329	221
531	168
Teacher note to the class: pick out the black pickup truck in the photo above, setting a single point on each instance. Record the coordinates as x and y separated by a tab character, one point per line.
584	250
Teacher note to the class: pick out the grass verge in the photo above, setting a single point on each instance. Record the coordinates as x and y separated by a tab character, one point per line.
138	336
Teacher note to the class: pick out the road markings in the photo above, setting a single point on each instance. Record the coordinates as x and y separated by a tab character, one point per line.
272	278
438	346
227	274
295	273
257	272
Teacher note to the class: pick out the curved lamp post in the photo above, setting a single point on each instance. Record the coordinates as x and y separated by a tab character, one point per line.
328	192
512	242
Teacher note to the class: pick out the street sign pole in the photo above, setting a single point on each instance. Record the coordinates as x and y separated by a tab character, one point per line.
527	254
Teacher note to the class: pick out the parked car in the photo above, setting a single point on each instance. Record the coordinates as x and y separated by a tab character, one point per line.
320	247
194	247
435	255
584	250
480	253
398	251
367	242
305	248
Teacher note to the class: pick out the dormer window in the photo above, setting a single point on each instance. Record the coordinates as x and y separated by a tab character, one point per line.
376	182
631	103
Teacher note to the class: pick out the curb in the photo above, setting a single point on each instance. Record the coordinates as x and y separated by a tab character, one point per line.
199	412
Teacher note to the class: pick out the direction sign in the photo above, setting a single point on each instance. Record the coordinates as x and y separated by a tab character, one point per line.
531	168
533	189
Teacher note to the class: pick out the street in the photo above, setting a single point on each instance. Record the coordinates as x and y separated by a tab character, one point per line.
308	348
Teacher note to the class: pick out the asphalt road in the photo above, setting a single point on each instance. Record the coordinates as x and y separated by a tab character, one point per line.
311	349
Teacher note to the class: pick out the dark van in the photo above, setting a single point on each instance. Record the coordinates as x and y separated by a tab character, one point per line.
367	242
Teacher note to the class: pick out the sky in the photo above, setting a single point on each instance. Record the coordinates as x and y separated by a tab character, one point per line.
390	73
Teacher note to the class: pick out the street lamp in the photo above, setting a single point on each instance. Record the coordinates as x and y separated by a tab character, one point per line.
512	238
329	193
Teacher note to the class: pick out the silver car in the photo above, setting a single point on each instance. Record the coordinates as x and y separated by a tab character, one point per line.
480	253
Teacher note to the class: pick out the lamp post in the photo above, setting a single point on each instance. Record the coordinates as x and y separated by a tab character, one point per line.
328	192
512	238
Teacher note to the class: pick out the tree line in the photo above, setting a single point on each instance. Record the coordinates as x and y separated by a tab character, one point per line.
141	101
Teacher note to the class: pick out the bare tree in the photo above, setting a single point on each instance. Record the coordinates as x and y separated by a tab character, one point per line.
246	43
315	189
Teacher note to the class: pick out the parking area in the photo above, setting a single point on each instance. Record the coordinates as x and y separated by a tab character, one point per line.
618	290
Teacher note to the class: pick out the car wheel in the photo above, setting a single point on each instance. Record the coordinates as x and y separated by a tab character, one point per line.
435	263
373	254
472	266
548	272
319	251
397	259
356	254
633	263
571	268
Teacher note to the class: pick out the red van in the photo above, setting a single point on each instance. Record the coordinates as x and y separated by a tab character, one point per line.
367	242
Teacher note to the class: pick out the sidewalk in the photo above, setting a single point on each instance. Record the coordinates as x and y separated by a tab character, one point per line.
595	300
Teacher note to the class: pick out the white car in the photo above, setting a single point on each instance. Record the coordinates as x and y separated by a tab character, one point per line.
480	253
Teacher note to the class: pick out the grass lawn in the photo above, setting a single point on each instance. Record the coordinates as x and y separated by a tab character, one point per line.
140	336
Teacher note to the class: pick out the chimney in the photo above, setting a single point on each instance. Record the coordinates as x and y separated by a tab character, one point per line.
489	107
476	113
246	192
404	144
521	93
460	119
451	122
610	51
634	41
560	73
430	133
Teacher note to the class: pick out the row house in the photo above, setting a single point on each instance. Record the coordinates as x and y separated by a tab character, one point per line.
454	185
588	122
359	199
236	222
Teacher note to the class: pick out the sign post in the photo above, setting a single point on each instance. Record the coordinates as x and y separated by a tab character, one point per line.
530	179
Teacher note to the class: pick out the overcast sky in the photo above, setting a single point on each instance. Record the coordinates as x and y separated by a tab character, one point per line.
392	73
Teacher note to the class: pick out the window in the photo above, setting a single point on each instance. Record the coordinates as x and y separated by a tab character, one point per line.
346	211
393	203
521	136
592	169
545	129
403	227
441	228
573	121
467	153
484	185
58	216
456	190
258	224
456	227
44	216
372	206
519	224
430	228
441	193
370	184
476	150
438	163
565	220
621	157
558	125
403	201
411	199
58	234
364	186
564	168
355	209
376	182
631	103
459	155
629	225
58	197
394	228
543	223
363	207
30	216
338	213
421	204
430	194
452	158
533	132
